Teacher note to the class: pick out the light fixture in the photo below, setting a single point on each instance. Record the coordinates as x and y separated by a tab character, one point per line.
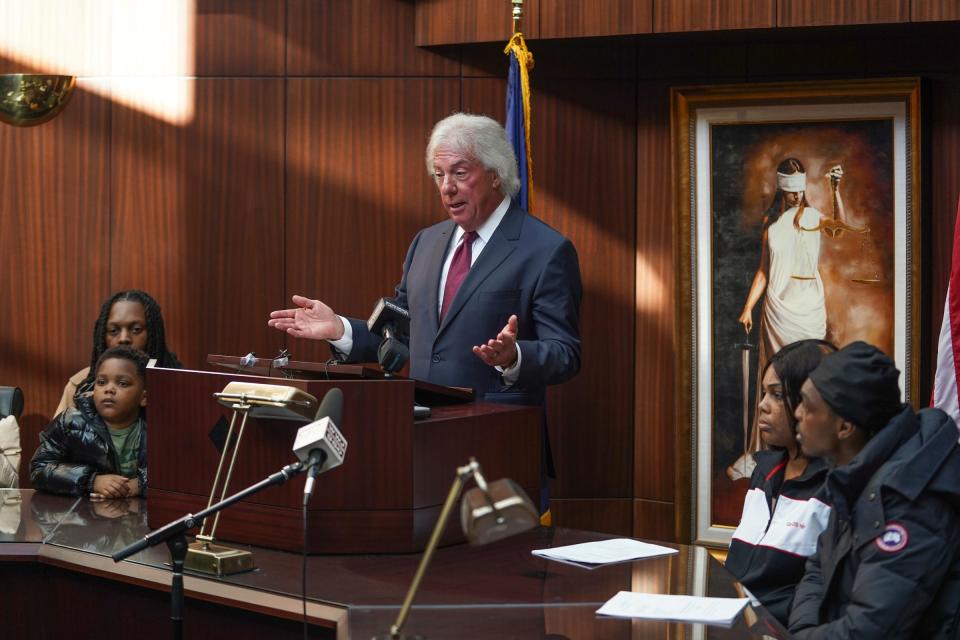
252	399
29	99
487	514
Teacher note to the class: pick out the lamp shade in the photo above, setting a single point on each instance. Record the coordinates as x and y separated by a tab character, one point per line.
503	511
28	99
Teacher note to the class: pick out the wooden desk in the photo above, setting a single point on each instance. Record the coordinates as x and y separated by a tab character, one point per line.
384	498
60	554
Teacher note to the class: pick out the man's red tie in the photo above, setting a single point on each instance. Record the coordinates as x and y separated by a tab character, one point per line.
459	267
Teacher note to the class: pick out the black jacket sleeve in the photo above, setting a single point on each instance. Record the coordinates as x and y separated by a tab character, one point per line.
554	356
49	468
805	612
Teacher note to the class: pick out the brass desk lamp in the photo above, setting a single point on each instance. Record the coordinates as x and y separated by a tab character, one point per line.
275	402
488	513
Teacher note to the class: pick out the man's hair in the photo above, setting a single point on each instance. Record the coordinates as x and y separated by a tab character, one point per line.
156	338
482	139
137	357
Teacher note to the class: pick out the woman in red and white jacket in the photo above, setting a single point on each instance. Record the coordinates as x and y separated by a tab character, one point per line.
784	511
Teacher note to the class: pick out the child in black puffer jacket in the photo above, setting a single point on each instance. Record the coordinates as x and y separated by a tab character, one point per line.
100	449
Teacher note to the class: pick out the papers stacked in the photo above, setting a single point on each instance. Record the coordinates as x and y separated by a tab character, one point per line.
655	606
594	554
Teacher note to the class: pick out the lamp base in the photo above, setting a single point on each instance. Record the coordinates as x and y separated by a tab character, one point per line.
218	560
399	636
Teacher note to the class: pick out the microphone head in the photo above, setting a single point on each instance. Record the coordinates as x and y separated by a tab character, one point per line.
392	355
331	406
389	314
323	435
514	512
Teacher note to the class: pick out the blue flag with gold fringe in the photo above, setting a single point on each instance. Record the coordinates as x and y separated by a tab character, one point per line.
518	131
518	113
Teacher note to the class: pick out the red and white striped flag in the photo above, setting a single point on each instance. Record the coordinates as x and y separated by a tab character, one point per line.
945	393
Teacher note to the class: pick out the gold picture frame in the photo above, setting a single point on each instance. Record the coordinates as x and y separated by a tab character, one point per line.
728	141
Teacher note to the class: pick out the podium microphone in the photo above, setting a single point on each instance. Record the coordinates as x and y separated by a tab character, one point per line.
319	445
391	321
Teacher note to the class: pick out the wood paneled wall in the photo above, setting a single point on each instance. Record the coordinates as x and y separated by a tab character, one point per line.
301	170
441	22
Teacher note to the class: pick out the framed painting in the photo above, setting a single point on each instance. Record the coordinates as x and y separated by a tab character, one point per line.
797	217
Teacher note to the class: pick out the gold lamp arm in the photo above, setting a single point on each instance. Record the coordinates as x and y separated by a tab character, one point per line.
463	473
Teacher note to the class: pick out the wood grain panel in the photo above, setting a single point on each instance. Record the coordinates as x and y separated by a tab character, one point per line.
357	187
928	10
54	249
773	61
613	515
677	61
198	215
577	19
359	38
187	413
240	37
591	201
653	520
932	48
810	13
488	97
460	21
584	155
654	354
707	15
571	60
134	606
56	37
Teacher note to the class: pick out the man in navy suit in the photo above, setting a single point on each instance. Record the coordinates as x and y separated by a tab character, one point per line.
493	293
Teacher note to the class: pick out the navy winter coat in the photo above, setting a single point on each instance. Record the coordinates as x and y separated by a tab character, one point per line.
888	565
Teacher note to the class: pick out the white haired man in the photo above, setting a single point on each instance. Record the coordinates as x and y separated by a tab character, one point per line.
493	292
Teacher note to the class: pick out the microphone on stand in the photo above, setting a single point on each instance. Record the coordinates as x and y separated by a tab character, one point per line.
319	445
391	321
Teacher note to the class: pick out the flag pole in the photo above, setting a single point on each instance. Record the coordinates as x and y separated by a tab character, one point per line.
518	106
517	14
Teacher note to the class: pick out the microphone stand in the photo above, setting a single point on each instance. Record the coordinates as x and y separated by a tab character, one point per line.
174	534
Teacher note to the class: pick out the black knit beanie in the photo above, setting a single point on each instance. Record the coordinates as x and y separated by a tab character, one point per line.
861	385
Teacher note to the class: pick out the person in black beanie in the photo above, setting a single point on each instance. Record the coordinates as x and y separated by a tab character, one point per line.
888	564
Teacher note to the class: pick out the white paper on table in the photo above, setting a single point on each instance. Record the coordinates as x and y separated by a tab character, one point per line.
658	606
594	554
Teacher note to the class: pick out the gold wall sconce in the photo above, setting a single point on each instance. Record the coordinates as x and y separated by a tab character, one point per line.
29	99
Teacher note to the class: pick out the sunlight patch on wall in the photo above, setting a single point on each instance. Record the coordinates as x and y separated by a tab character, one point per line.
142	48
651	290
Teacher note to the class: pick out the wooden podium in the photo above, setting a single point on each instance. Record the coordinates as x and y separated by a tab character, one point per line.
384	498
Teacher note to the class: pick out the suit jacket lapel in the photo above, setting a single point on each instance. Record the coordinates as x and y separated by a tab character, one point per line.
435	266
502	244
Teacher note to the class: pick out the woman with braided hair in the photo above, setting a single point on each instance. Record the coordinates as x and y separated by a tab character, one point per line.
127	318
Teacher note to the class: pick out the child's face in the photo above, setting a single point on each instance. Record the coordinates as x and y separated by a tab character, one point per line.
118	392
